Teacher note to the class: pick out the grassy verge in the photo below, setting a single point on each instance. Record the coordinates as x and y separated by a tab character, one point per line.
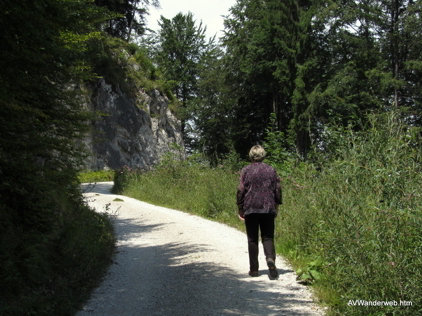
358	218
88	176
192	188
352	226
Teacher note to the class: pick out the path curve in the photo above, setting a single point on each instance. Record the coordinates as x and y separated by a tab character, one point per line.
172	263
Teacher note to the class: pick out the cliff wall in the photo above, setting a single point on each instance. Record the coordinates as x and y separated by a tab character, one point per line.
126	134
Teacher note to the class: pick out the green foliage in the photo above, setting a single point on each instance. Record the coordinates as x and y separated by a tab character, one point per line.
122	177
88	176
270	66
129	16
361	216
51	261
112	60
146	64
52	246
311	273
275	147
232	161
188	185
373	56
211	109
352	227
127	66
180	45
315	62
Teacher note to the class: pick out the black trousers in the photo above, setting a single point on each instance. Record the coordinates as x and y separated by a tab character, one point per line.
265	223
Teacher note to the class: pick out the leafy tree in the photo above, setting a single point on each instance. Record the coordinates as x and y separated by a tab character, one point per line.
398	27
249	70
374	64
132	16
44	48
269	48
180	46
212	108
312	63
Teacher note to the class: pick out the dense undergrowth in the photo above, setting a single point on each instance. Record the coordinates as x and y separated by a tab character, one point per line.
53	248
360	218
53	254
351	220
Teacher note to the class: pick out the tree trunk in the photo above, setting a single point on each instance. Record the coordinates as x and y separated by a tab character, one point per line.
302	143
395	47
130	25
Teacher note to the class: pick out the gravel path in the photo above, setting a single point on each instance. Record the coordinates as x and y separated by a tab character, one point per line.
172	263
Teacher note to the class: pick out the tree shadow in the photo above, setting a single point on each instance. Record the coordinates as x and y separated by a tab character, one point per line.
181	282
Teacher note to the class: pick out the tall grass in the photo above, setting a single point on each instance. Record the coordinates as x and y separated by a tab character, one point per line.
361	217
351	221
184	185
87	176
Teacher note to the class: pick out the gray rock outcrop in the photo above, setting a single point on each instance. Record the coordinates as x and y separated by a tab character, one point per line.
125	133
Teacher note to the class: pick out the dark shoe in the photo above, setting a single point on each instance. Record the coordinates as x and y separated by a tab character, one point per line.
272	269
273	273
270	263
254	273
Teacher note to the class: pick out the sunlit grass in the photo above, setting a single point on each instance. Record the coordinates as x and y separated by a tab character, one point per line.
353	226
89	176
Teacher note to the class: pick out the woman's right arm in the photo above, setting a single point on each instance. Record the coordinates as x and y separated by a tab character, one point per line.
278	193
240	196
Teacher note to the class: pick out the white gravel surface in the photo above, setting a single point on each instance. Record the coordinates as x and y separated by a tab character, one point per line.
172	263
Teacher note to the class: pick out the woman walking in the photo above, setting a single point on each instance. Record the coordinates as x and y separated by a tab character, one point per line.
258	194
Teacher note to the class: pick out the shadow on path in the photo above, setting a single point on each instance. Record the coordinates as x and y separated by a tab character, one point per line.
175	279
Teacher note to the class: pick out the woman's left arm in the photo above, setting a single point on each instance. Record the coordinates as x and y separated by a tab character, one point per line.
278	193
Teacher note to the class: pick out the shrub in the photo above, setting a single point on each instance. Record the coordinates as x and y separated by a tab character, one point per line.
275	146
50	260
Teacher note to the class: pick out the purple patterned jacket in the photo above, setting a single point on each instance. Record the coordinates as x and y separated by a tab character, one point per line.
259	190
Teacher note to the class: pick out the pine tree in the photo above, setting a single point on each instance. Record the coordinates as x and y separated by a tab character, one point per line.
270	61
373	60
212	108
180	46
44	47
132	16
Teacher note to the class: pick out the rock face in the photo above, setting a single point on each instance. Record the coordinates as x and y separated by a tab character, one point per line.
127	135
